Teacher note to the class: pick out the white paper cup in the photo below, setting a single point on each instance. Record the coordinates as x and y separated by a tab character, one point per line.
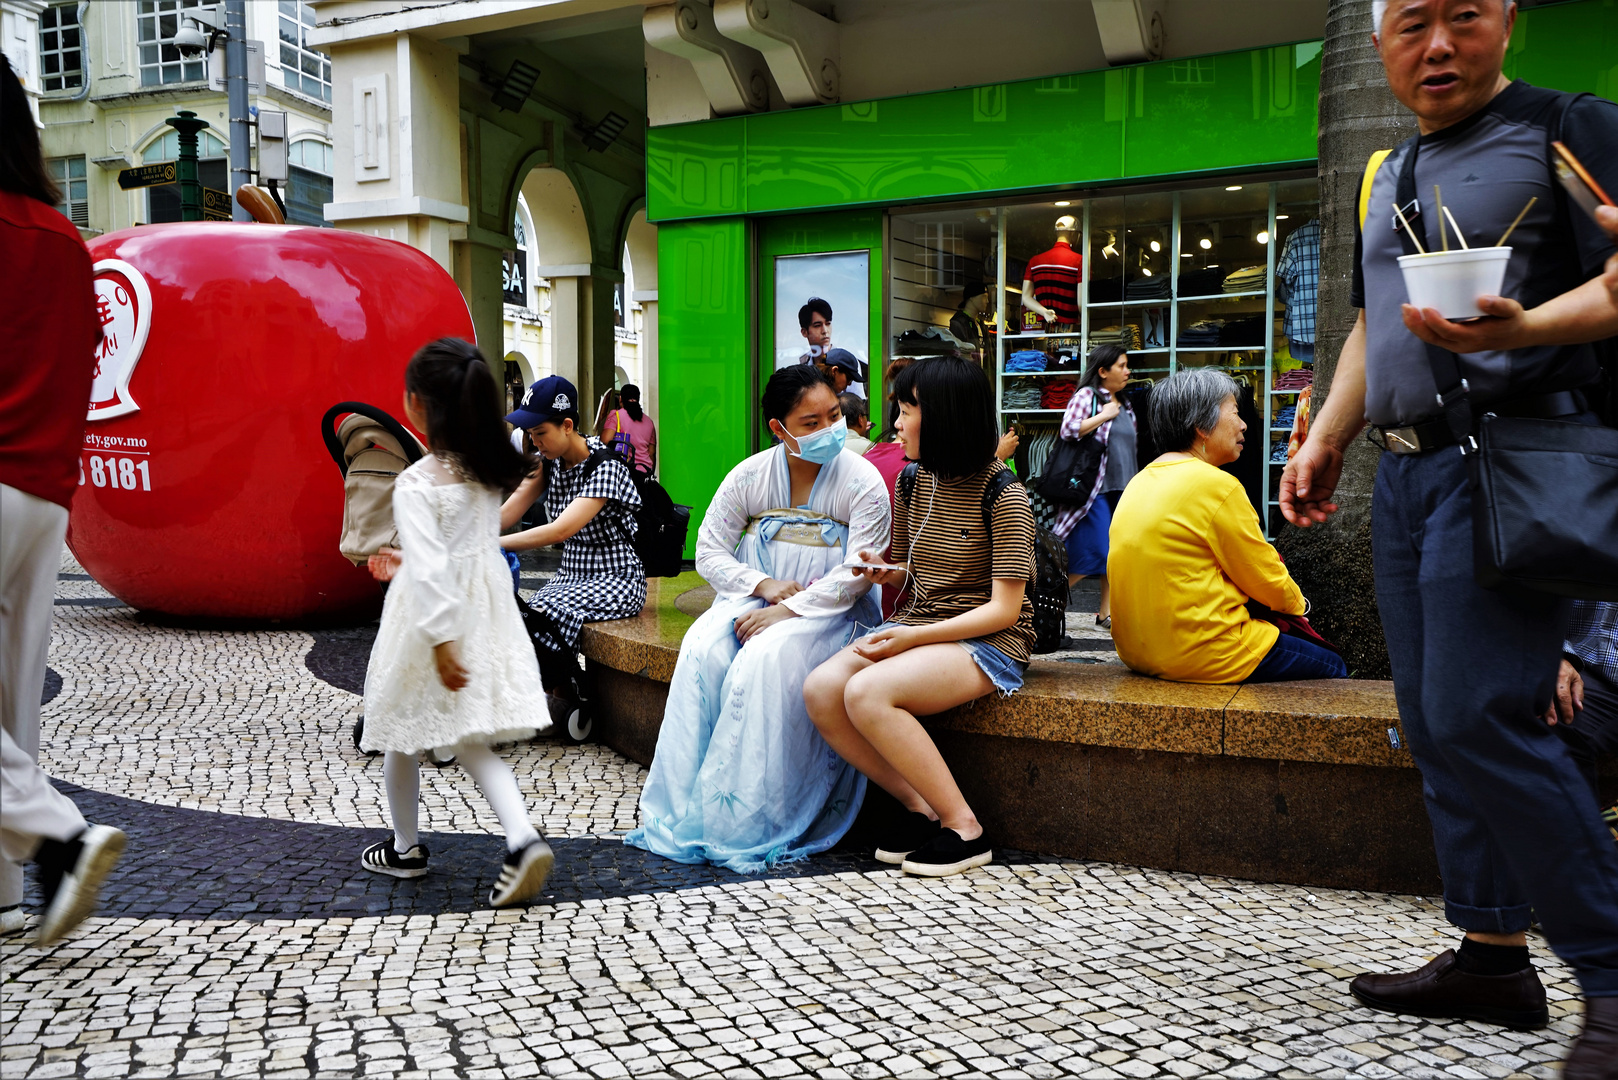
1452	281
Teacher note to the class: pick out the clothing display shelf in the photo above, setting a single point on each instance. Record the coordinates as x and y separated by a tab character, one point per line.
1182	230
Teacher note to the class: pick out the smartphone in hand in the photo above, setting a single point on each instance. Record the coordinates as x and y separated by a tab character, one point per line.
1580	185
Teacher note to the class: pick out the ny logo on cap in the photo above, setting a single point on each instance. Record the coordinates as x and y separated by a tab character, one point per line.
561	404
528	397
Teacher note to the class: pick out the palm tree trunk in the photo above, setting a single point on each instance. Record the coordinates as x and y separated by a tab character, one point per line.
1358	115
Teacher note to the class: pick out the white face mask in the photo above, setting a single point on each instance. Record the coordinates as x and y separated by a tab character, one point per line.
818	447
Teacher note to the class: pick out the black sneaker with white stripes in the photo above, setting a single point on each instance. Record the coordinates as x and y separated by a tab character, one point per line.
523	874
947	854
382	858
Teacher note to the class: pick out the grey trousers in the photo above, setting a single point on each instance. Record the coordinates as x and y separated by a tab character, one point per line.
31	810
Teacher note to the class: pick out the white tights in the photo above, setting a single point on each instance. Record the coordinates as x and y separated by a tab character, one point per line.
487	769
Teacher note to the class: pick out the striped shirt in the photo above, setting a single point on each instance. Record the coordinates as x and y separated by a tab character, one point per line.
951	561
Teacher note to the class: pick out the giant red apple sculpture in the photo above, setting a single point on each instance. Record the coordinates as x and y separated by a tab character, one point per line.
205	489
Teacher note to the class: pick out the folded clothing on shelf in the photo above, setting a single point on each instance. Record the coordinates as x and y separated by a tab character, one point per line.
1247	279
1024	361
1278	452
1023	396
932	341
1128	336
1248	331
1057	394
1283	418
1295	380
1148	288
1203	332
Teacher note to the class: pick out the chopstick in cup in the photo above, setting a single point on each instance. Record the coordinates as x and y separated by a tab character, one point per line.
1524	213
1439	199
1401	216
1464	245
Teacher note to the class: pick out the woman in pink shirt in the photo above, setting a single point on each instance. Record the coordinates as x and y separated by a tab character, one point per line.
631	432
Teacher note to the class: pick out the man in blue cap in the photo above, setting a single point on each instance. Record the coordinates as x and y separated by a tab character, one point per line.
590	502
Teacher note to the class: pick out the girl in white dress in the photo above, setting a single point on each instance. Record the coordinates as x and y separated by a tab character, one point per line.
452	670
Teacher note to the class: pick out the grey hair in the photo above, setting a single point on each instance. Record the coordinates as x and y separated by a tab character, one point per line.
1379	8
1186	403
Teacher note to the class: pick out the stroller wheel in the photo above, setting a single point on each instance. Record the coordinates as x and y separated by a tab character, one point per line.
578	727
359	733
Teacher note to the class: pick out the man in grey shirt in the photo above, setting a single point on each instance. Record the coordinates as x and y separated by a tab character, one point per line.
1515	823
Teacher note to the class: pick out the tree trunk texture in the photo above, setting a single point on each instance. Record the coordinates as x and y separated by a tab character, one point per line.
1358	115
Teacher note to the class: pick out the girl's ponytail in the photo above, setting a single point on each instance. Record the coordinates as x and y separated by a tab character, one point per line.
462	402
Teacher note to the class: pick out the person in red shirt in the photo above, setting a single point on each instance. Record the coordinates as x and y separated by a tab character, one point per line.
48	337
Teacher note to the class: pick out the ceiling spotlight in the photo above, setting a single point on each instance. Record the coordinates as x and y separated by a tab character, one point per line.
1282	217
1187	254
601	136
1205	244
1263	236
514	89
1064	204
1234	187
1146	271
1156	246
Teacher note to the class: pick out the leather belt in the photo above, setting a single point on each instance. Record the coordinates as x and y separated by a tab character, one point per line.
1436	434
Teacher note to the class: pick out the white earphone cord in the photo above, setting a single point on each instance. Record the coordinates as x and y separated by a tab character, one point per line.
910	556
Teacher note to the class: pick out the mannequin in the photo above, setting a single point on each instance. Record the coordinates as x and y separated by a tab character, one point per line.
1050	288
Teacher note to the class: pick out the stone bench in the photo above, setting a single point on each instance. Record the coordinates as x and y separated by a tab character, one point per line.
1297	782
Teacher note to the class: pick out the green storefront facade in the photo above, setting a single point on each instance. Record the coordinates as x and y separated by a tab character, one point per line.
1148	159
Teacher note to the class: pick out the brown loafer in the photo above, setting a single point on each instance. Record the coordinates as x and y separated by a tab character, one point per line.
1442	989
1595	1055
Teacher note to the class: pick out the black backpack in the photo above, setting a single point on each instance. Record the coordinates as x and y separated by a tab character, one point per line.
661	525
1048	589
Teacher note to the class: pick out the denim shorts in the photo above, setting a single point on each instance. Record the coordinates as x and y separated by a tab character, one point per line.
1002	670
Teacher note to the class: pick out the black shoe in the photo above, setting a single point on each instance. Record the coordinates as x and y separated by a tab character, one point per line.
383	858
523	874
947	854
1443	989
906	836
70	876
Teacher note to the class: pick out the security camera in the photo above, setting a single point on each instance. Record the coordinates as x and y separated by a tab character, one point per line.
191	41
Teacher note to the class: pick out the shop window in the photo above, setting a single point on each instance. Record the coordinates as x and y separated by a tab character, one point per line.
156	23
60	53
1223	275
163	203
69	174
309	183
1195	72
302	68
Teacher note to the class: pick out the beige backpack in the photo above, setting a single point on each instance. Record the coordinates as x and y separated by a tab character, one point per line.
371	449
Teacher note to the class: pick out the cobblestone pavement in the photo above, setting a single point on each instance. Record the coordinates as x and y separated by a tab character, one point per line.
240	938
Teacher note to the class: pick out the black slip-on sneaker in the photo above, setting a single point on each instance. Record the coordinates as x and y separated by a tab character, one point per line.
906	836
382	858
947	854
71	874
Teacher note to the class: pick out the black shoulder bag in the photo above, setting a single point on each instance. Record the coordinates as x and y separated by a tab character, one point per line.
1544	492
1070	473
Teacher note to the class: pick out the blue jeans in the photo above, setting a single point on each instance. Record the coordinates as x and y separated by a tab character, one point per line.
1515	822
1294	658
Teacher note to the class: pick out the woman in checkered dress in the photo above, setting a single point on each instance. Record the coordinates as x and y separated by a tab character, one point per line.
590	502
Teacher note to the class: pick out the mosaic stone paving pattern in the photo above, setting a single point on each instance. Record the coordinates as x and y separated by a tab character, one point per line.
240	938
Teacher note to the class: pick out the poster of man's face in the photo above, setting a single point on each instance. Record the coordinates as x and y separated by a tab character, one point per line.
823	315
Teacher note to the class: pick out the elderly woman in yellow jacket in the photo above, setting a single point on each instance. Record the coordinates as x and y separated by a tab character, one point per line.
1187	554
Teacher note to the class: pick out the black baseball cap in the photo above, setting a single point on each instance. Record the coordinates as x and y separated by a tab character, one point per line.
546	402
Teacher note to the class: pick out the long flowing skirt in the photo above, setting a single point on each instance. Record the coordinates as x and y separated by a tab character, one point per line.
741	776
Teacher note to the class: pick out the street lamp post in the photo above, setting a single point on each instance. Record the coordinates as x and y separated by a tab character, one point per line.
185	164
236	89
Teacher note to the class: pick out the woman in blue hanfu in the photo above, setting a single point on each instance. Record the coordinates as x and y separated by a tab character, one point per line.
741	777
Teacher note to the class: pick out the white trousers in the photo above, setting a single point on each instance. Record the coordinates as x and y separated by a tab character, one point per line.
31	810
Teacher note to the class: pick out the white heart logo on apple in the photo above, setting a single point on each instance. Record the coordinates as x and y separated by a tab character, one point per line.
124	309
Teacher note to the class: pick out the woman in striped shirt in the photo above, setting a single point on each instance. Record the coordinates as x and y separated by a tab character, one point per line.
964	535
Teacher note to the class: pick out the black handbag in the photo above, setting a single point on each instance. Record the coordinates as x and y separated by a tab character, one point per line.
1544	492
1070	474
